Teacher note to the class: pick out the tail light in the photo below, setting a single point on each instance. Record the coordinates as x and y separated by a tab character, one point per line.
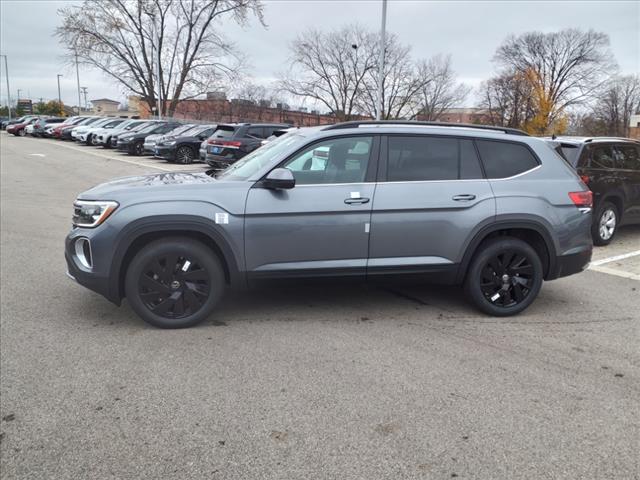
582	199
225	143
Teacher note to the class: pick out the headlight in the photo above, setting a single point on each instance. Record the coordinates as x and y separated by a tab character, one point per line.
90	214
170	143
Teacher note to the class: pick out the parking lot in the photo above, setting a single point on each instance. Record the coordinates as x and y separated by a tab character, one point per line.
344	381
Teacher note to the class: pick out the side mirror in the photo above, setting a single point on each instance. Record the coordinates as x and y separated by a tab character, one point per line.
279	178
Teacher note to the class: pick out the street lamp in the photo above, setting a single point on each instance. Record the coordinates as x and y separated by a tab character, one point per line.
19	90
381	59
6	71
59	97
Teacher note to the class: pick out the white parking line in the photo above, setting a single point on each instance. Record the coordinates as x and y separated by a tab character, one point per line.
613	259
617	273
109	157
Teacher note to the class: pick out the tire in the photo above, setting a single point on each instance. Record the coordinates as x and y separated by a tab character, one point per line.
137	149
107	143
88	140
21	133
605	224
505	276
173	298
184	155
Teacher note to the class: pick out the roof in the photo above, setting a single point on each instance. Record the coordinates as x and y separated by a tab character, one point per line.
578	140
105	100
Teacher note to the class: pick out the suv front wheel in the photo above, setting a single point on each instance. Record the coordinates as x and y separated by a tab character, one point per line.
174	282
504	277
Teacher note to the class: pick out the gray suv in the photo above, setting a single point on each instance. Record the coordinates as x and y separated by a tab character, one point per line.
487	207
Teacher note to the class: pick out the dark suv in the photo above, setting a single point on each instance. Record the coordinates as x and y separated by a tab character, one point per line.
183	148
491	208
611	169
133	142
231	142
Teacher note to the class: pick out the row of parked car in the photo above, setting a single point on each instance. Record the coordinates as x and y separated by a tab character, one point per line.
218	145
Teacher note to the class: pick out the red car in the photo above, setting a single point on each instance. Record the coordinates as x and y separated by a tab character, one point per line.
18	128
57	132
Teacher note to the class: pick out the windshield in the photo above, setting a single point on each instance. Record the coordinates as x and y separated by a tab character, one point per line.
260	158
147	128
179	130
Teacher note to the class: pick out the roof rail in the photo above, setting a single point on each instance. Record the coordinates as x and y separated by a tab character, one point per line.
356	124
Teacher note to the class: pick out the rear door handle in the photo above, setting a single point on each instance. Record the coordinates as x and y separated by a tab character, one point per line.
356	201
463	198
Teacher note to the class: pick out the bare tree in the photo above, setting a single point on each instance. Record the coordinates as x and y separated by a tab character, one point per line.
402	83
565	68
507	100
617	103
330	68
439	89
122	38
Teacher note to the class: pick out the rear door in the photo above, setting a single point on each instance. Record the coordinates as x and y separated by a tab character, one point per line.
321	226
627	157
430	196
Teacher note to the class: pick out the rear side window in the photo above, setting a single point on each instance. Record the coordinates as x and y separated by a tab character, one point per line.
256	132
431	158
628	157
503	159
570	152
602	157
224	131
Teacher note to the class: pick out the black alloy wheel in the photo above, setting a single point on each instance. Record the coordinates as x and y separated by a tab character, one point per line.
174	286
184	155
174	282
505	276
138	148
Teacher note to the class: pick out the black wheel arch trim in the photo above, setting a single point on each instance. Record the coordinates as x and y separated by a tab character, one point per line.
165	223
499	225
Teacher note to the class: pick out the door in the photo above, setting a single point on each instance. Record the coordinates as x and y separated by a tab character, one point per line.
627	157
319	227
430	198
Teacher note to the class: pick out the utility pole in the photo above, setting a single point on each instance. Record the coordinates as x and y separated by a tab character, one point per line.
381	59
78	78
59	97
158	80
84	92
19	90
6	71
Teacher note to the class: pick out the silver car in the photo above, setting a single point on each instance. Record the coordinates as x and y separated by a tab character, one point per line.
490	208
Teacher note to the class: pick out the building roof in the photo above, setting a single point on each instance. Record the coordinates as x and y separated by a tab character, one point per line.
105	100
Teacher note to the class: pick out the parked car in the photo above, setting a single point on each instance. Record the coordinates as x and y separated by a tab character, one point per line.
151	140
87	124
42	124
15	121
492	208
57	131
104	136
610	167
84	134
184	148
133	142
90	135
67	132
19	129
231	142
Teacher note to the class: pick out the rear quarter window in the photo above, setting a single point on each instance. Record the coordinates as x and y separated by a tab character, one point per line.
505	159
628	157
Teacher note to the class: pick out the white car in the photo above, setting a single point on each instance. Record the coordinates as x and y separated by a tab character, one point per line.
80	133
89	136
28	130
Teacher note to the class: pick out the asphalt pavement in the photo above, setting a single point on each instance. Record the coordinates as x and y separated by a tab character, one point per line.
306	381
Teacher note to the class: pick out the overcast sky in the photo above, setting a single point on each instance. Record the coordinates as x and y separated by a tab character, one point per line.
469	31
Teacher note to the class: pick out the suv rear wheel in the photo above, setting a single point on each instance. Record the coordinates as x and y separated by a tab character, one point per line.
174	282
605	223
184	155
504	277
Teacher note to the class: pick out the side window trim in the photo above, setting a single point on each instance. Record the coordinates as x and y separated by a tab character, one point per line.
372	165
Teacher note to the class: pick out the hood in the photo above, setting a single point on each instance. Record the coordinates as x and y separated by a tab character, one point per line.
146	184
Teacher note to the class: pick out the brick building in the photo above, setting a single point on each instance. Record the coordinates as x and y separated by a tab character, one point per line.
634	127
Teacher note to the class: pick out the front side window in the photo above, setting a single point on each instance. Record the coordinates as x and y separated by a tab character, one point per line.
422	158
338	160
505	159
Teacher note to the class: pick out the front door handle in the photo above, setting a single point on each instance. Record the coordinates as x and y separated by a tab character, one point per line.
463	198
356	201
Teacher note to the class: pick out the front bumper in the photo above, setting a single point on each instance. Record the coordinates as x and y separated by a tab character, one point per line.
167	153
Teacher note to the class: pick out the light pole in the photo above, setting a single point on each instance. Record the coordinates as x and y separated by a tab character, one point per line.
6	71
19	90
84	92
59	97
381	59
78	78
